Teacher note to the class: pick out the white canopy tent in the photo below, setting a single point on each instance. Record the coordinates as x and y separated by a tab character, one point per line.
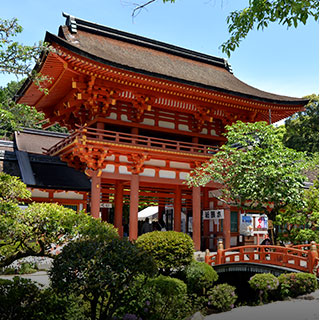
149	212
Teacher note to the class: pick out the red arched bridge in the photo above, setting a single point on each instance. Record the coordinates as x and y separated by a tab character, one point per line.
264	258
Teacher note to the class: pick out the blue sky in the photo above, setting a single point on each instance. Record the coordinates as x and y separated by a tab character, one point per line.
279	60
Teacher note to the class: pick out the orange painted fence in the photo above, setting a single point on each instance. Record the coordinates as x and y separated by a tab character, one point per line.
289	257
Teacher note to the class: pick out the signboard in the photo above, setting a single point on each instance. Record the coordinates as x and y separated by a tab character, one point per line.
106	205
246	225
213	214
261	222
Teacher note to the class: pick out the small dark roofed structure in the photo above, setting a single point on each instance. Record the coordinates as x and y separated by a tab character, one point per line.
43	174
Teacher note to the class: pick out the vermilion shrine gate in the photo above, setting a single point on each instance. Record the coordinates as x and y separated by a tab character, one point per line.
142	114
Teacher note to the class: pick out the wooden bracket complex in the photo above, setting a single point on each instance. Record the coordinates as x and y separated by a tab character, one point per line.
137	160
140	104
200	117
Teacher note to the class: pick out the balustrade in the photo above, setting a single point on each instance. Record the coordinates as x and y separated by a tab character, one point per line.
98	135
289	257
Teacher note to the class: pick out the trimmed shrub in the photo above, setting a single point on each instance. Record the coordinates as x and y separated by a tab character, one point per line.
264	283
99	269
169	299
23	299
295	284
200	277
222	297
171	250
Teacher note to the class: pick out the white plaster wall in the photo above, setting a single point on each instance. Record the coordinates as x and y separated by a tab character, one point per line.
112	115
156	163
111	158
179	165
149	122
213	132
165	124
123	170
183	175
183	127
68	195
148	173
109	168
124	117
167	174
40	194
123	159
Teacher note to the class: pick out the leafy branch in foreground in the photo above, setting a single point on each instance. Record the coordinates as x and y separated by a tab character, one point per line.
260	13
16	58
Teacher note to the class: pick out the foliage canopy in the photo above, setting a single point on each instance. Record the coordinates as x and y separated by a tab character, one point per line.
302	128
32	231
255	169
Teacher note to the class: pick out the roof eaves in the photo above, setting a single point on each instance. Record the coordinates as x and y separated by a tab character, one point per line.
53	38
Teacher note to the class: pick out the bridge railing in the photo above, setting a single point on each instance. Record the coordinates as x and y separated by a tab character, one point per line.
294	258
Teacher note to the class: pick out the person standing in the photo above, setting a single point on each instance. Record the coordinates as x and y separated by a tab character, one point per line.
146	227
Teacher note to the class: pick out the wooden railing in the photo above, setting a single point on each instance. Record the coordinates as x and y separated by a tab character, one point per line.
289	257
98	135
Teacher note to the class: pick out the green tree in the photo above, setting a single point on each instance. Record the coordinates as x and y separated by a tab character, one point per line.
100	271
255	169
302	128
13	115
15	57
301	225
259	14
32	231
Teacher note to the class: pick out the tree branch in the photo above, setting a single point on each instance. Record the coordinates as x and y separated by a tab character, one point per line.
138	8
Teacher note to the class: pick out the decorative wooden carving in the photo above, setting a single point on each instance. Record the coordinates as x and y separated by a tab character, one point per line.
200	117
137	160
140	104
85	101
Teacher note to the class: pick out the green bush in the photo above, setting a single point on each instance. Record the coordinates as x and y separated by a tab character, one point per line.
295	284
222	297
200	277
23	299
169	299
264	283
26	268
171	251
101	271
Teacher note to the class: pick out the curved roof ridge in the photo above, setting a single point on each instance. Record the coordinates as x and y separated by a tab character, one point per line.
74	23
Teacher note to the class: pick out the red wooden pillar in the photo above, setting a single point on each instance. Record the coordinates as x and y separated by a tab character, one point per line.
134	203
226	227
177	209
196	217
161	209
95	195
205	223
118	207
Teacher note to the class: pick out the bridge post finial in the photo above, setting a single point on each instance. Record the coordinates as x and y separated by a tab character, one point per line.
313	256
219	252
207	257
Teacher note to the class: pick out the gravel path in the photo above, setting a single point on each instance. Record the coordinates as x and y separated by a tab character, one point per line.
302	308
